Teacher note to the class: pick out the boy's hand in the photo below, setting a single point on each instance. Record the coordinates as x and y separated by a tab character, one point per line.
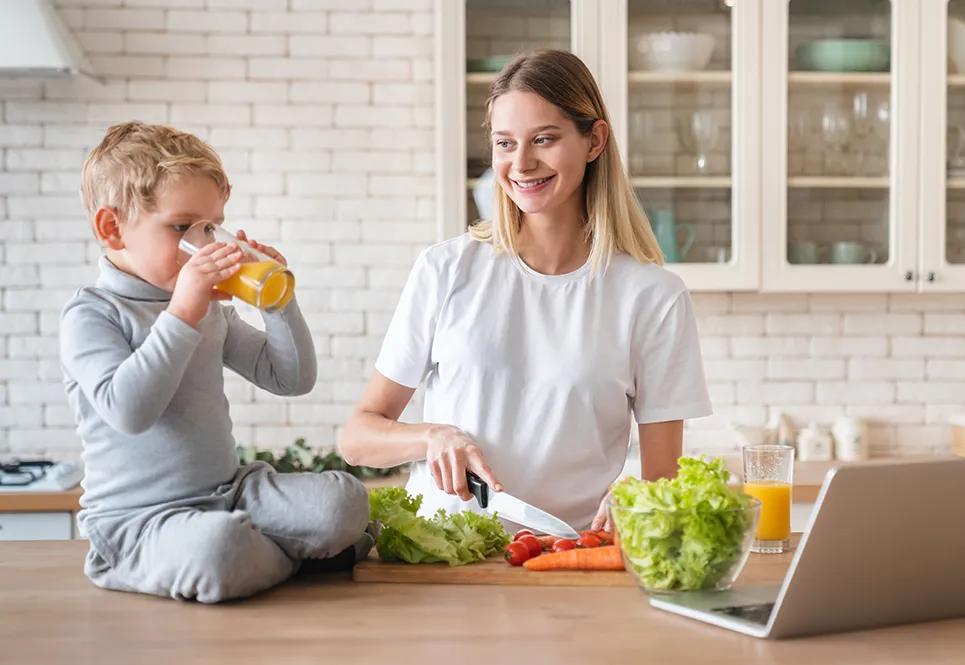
195	290
264	249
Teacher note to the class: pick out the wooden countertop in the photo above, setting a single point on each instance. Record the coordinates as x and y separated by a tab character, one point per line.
69	501
41	502
51	613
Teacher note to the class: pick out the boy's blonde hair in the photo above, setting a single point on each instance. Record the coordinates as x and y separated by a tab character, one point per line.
135	161
613	218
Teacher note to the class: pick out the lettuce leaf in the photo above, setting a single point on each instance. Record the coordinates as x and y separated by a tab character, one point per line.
457	539
690	539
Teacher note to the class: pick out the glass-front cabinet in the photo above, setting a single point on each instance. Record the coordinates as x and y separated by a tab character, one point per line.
777	145
681	79
942	179
475	39
840	109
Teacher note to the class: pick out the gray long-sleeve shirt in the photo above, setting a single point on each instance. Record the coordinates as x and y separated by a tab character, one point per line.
147	389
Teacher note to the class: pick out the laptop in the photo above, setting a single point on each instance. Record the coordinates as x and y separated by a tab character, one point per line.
885	545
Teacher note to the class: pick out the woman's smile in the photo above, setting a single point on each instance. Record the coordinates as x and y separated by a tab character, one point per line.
531	185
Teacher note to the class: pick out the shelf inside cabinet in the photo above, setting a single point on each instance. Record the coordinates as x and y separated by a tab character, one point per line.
481	78
955	183
681	182
644	77
956	80
838	182
839	78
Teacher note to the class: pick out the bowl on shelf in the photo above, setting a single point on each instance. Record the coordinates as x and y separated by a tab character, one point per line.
676	551
672	51
493	63
844	55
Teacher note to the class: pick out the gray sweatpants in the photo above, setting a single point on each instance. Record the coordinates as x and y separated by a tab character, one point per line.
248	536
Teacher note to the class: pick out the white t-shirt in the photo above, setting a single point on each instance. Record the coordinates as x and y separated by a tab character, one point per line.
543	371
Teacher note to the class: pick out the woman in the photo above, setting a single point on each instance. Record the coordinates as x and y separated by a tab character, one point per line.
542	331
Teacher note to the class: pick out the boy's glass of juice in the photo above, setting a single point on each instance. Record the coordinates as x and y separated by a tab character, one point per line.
261	281
768	476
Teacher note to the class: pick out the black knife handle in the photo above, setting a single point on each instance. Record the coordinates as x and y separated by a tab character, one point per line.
478	487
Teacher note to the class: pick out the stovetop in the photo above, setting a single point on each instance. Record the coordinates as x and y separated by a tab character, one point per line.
39	475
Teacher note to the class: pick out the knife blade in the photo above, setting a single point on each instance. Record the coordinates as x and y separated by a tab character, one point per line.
516	510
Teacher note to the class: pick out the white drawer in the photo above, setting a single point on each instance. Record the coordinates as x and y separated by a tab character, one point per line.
36	526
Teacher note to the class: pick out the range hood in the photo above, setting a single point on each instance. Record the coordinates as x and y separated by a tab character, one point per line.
34	41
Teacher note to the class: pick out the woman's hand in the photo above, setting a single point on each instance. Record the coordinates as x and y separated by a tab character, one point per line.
449	452
601	521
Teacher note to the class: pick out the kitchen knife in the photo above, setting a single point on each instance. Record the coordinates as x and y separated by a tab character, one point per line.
517	511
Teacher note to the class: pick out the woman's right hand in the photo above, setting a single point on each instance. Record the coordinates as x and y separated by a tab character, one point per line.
449	452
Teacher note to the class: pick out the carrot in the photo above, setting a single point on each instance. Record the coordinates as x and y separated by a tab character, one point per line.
597	558
548	541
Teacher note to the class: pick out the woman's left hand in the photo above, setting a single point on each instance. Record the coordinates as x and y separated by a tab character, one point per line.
601	522
264	249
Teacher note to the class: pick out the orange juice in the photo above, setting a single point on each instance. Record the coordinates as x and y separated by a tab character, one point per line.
775	498
269	279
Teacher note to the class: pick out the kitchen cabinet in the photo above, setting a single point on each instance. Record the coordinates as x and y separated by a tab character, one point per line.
40	515
36	526
786	146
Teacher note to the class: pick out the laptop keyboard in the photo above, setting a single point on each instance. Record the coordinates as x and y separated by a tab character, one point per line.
759	613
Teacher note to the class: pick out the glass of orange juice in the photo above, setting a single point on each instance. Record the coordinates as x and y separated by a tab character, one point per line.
768	476
261	281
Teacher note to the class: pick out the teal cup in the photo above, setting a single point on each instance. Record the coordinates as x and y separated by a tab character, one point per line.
804	253
852	253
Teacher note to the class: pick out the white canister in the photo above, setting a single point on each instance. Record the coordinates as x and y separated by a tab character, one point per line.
850	439
814	444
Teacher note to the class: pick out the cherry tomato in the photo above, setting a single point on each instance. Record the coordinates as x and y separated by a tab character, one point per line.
589	540
563	544
532	542
516	553
523	532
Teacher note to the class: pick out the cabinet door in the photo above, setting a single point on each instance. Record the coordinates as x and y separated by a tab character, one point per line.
840	126
943	145
474	39
682	82
36	526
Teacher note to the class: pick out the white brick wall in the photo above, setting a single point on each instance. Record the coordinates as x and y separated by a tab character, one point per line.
313	106
322	112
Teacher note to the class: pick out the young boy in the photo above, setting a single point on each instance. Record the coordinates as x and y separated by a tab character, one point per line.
166	507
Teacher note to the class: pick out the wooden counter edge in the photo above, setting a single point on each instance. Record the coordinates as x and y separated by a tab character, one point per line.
41	502
69	501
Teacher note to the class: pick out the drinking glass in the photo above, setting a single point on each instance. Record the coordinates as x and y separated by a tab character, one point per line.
768	476
699	132
261	281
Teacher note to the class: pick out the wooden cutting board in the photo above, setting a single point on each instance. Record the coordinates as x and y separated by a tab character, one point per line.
760	569
494	570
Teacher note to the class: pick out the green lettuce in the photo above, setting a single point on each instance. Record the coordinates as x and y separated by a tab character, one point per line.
693	531
456	539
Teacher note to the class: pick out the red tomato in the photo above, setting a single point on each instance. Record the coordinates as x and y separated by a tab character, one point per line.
532	542
563	544
589	540
523	532
516	553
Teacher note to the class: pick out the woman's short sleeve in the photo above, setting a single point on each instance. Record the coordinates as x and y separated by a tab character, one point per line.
406	351
668	376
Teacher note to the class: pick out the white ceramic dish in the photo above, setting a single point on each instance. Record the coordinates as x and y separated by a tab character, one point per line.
672	51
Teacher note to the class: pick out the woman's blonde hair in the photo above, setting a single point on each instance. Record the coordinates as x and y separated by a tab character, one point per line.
135	161
613	218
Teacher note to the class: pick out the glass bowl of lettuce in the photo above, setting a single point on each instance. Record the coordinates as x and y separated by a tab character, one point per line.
689	533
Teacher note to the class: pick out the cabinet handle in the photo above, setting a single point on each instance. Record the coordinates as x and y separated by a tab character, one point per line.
931	276
909	275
